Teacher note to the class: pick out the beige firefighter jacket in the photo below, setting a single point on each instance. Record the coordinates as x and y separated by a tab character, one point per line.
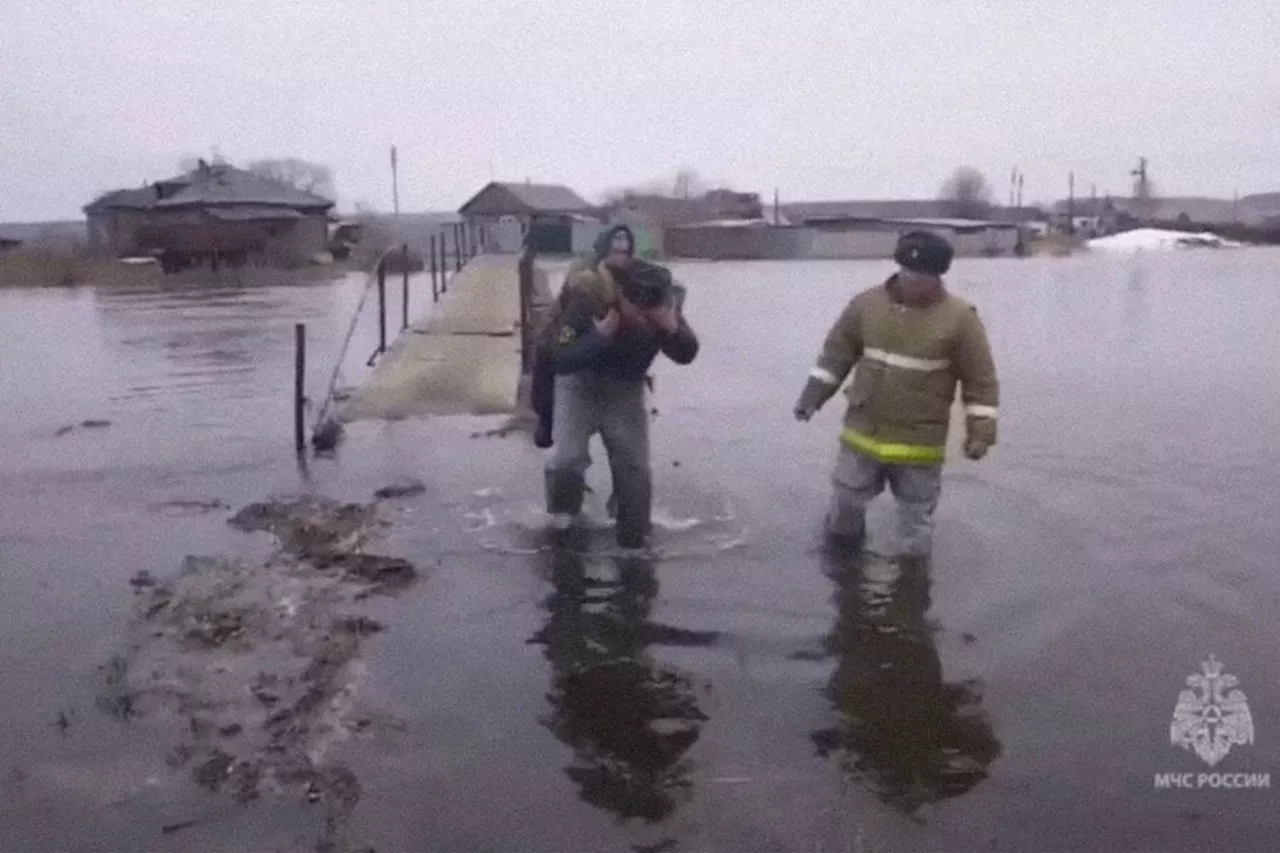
909	360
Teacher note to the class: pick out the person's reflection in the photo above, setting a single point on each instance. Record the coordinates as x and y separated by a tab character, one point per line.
912	738
629	720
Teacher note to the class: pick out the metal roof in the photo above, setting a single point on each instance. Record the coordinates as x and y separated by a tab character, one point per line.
136	199
551	198
223	184
218	184
534	198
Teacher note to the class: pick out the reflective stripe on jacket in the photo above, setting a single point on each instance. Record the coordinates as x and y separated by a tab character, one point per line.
909	360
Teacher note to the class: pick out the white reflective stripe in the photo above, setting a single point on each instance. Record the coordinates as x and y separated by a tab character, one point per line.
823	375
974	410
905	361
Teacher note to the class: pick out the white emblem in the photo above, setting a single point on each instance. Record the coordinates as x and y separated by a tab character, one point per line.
1211	723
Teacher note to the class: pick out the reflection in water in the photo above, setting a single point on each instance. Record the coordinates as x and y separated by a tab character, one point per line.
1135	302
629	719
912	738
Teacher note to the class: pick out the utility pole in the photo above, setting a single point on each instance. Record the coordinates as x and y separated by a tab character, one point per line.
1071	203
1020	177
1140	188
776	217
395	184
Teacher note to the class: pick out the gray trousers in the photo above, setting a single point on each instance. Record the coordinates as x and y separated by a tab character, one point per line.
858	479
587	403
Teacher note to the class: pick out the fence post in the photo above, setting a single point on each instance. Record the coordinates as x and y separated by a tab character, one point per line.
444	261
382	305
435	284
404	256
457	248
299	387
526	306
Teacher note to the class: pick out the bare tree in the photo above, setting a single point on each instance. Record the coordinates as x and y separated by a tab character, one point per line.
308	177
686	183
967	193
689	184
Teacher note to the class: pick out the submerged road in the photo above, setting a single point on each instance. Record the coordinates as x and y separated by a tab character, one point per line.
738	691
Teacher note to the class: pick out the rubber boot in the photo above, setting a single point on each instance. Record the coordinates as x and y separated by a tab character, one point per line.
634	510
542	433
565	492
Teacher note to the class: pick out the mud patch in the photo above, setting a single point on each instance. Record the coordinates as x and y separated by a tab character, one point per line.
258	664
89	424
403	488
184	507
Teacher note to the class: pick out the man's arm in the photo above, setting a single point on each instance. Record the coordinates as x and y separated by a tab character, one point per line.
578	345
681	346
979	384
840	352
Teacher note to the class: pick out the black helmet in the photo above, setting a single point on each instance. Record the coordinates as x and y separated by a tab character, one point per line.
925	252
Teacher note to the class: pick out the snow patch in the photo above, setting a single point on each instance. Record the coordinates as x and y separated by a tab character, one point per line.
1157	239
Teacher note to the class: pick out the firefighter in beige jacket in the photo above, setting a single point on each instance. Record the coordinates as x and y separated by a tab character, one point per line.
911	342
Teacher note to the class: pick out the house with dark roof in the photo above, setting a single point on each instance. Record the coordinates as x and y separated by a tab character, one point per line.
216	212
553	218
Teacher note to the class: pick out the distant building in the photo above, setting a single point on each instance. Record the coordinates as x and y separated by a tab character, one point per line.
870	229
545	214
827	211
669	226
215	212
739	239
1108	215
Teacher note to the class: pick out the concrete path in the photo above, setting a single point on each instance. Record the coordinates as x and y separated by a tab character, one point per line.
463	357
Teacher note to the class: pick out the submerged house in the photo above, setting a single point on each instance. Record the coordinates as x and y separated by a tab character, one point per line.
216	212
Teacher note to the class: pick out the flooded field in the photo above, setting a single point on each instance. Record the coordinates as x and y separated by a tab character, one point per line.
190	665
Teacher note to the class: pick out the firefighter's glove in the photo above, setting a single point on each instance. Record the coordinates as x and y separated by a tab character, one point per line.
975	449
811	399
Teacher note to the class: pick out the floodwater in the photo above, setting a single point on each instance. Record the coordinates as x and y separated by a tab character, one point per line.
736	692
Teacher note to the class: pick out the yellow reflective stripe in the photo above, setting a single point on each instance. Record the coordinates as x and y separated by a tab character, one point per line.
893	359
977	411
889	452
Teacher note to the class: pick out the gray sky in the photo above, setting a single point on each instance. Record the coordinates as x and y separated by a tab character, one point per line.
841	99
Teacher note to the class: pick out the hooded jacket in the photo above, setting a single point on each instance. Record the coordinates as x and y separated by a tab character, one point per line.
550	326
909	359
